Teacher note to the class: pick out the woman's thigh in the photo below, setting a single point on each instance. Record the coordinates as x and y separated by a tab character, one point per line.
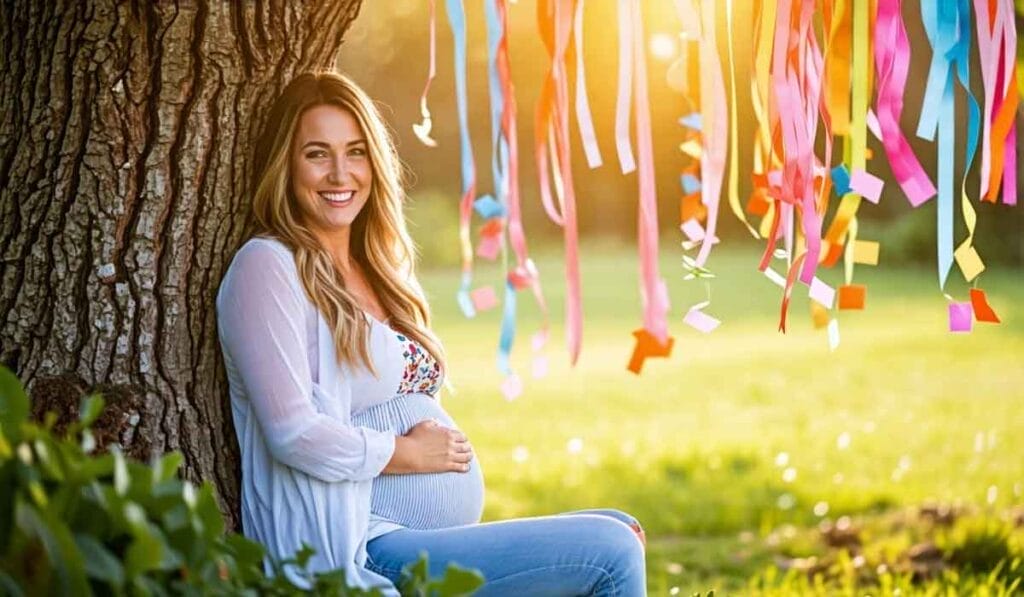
578	553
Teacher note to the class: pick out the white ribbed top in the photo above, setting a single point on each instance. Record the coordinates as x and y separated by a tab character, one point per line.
419	501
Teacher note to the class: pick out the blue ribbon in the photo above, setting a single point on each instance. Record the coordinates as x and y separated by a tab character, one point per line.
948	27
457	21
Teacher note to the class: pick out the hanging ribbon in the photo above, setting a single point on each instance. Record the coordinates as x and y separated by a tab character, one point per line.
937	115
966	256
892	60
623	98
583	119
654	293
733	188
555	19
422	129
457	21
1004	117
524	274
855	147
714	124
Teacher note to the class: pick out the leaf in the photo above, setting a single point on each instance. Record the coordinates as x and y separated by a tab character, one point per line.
166	467
415	576
9	587
458	581
121	478
99	562
88	411
61	552
209	514
13	405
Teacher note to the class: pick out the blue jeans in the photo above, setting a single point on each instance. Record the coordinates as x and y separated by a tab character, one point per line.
589	552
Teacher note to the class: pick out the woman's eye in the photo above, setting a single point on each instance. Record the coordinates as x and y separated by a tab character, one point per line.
319	153
357	151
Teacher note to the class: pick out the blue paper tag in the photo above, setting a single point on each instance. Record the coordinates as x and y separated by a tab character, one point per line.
841	180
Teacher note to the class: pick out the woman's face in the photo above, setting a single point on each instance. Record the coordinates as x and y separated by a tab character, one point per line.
330	169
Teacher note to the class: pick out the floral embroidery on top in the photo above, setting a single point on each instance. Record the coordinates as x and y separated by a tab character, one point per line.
422	373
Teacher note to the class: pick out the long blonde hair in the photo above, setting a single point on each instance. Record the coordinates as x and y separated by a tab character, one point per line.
379	242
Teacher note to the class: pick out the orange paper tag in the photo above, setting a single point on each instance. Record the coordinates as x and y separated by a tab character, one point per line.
982	310
691	208
851	296
648	346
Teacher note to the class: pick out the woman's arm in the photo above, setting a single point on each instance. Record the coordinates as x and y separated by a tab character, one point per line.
260	311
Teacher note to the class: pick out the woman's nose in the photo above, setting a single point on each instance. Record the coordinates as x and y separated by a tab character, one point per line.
339	171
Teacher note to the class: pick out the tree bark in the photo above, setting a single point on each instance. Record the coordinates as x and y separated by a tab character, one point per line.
125	136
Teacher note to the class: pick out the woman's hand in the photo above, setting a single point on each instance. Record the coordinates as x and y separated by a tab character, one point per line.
430	448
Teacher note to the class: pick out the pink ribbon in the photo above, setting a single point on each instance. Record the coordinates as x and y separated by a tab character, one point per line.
553	113
622	99
892	59
583	119
654	293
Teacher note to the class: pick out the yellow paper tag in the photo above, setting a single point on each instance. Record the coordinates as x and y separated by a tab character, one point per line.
866	252
969	261
819	315
692	148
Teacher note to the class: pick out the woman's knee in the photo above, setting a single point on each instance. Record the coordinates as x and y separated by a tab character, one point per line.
624	517
616	539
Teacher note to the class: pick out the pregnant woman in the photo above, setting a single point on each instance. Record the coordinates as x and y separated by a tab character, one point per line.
334	376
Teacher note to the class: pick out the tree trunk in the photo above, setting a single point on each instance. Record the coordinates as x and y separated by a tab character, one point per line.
124	159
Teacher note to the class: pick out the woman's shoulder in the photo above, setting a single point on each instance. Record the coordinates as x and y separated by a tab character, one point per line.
261	260
265	247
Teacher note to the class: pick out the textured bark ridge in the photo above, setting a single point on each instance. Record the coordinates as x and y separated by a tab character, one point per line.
125	134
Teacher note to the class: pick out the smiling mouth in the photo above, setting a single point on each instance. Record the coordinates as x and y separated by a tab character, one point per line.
342	198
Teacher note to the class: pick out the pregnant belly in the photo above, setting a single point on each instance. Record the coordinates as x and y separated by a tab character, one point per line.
429	500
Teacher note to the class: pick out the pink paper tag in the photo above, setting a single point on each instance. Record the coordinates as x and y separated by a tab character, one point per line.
540	366
700	321
693	230
484	298
866	185
539	340
960	317
489	247
512	387
822	293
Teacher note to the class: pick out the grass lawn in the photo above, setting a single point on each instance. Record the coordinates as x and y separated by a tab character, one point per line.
748	450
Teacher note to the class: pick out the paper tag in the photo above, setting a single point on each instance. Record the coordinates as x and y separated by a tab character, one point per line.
819	315
982	310
512	387
960	317
692	148
865	252
969	261
841	180
822	293
691	120
484	298
833	335
700	321
866	185
690	183
851	296
488	207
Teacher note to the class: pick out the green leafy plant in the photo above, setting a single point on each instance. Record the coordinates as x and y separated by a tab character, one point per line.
76	523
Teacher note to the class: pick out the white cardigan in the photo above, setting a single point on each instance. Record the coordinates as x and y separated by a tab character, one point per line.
306	470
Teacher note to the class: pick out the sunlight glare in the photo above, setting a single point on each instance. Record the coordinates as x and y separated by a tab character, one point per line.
663	46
